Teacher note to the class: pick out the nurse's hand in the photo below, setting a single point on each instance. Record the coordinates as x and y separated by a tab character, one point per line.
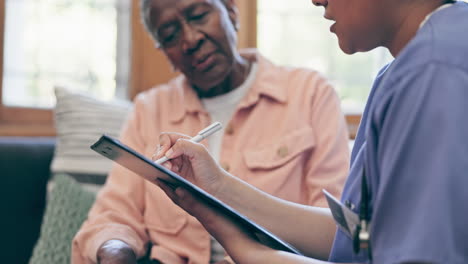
226	260
207	215
191	161
228	232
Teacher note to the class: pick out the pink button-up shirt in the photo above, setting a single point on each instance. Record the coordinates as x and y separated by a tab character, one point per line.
287	137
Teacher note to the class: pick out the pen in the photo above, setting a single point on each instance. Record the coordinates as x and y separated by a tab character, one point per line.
208	131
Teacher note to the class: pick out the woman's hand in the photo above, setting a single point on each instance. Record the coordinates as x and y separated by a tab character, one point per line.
116	252
191	161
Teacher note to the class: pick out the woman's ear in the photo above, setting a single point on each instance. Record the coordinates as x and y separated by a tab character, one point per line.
233	12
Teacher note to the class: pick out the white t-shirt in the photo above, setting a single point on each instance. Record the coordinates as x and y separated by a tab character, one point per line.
221	108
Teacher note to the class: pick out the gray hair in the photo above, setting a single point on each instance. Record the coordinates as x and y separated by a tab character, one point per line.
145	15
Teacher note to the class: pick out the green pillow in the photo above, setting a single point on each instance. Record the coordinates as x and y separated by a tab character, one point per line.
67	208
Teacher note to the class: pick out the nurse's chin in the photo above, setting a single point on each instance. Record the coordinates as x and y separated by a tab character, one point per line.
350	48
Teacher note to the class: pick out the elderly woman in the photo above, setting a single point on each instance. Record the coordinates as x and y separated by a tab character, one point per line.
285	134
405	197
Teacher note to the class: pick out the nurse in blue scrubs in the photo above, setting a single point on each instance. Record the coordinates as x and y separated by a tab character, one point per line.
409	175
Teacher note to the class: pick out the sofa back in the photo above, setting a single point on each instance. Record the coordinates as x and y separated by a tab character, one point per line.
24	169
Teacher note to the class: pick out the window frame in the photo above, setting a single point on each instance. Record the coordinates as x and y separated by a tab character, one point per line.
19	121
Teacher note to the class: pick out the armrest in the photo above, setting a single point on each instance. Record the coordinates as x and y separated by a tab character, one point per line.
24	169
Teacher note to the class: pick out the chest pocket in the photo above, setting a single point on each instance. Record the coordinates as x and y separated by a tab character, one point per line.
280	152
165	217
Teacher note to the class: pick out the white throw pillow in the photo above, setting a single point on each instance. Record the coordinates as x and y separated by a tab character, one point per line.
79	121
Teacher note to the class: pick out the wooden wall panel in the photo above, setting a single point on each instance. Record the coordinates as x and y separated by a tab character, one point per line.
248	23
149	64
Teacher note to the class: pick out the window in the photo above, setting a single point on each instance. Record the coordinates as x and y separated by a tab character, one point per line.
49	42
295	33
83	45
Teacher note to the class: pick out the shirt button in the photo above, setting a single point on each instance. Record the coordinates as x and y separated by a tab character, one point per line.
229	130
282	151
226	167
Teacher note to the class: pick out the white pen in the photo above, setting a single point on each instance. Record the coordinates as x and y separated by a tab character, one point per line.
208	131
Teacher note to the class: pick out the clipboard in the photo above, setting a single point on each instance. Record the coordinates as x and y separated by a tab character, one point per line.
113	149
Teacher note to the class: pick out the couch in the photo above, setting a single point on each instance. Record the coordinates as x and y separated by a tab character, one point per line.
25	169
27	164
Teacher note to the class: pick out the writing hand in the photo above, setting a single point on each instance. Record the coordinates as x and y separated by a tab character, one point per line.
191	161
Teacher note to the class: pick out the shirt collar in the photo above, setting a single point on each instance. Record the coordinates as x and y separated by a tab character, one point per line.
433	12
183	99
269	82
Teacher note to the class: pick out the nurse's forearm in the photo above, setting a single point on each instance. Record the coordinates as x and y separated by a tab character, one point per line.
251	252
310	229
281	257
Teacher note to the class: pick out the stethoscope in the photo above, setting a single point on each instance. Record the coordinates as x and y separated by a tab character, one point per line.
361	237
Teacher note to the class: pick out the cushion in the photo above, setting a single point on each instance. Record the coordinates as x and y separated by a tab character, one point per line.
67	208
79	121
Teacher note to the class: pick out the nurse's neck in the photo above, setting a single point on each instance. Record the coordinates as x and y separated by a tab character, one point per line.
407	22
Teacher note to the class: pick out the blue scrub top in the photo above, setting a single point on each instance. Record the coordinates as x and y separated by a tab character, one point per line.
413	142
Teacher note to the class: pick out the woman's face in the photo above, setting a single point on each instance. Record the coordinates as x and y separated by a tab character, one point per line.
360	25
198	36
